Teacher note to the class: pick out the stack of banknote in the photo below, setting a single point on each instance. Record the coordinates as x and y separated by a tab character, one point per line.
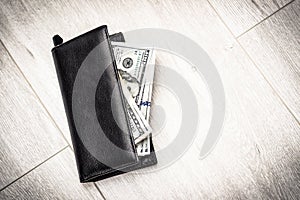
136	72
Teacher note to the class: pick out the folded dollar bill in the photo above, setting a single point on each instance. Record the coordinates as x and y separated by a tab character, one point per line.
139	125
136	69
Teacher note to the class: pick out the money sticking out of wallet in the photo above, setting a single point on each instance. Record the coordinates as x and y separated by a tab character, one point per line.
109	137
136	70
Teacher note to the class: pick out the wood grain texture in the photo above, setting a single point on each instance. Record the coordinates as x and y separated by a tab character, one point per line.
242	15
27	135
274	46
54	179
258	154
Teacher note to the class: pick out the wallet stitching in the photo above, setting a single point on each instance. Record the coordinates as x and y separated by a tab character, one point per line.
113	170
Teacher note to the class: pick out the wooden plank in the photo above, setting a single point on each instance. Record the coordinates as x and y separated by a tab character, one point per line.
242	15
274	46
27	135
55	179
244	164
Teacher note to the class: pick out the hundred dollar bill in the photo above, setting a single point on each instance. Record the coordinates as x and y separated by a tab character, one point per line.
139	126
145	101
136	68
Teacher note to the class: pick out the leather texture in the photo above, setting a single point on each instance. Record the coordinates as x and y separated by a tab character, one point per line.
101	137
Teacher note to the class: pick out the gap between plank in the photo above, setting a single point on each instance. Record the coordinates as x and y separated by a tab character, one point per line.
33	169
236	39
99	191
240	35
36	95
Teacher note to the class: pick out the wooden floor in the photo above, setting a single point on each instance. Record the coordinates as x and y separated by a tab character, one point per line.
255	45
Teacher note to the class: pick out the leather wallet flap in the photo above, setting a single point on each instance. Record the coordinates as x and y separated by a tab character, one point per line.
94	105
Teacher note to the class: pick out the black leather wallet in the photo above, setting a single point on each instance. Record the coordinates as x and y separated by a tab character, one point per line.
93	100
